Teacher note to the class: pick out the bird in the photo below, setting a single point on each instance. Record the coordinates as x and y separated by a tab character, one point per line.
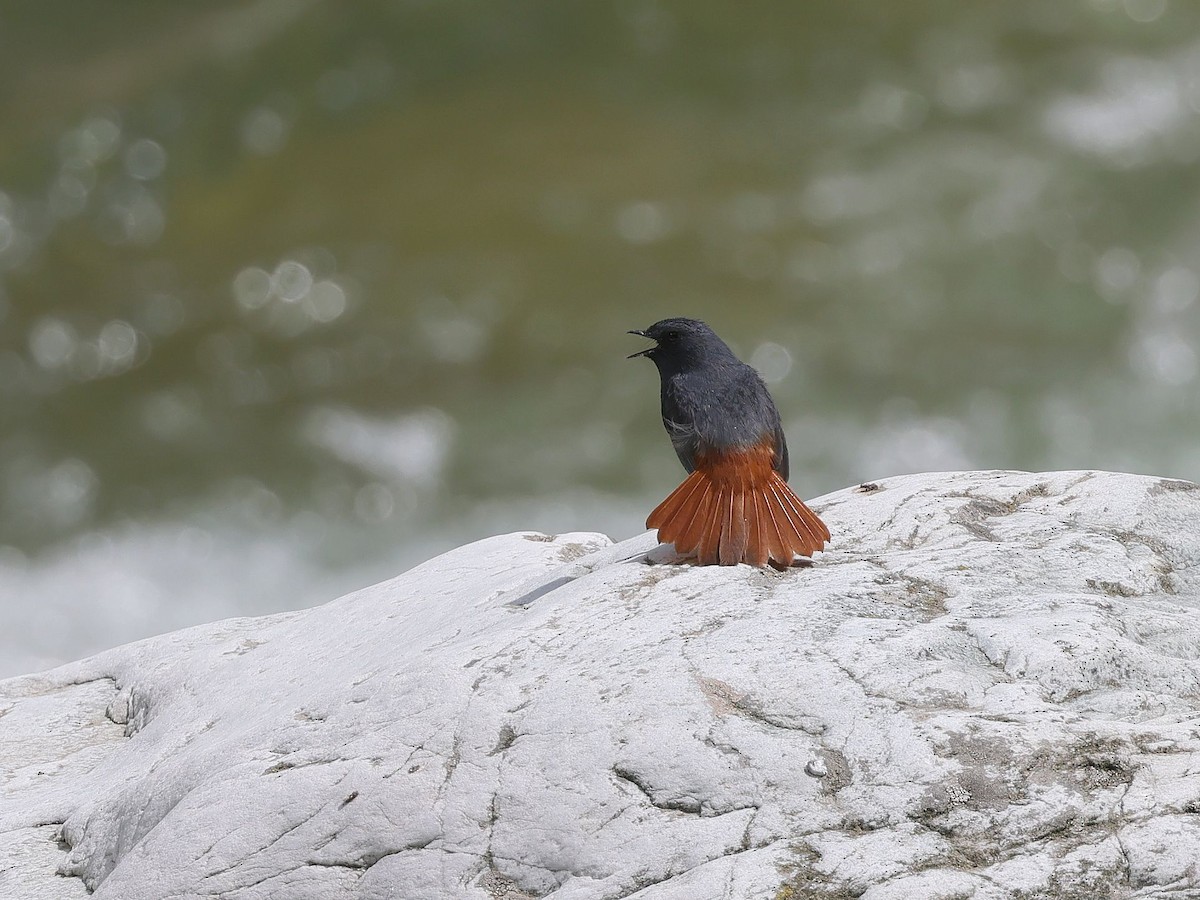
735	504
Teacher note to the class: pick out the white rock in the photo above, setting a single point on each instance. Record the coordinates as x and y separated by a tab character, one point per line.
988	686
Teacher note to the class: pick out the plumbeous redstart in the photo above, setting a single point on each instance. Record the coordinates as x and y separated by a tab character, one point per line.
735	505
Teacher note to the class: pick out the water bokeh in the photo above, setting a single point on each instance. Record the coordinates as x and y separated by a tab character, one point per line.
296	295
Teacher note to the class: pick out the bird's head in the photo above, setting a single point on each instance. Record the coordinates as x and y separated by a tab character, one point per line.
681	344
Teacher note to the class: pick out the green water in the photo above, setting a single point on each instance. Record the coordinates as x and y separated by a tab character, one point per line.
354	279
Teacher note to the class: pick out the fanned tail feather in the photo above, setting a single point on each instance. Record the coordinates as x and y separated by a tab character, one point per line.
736	508
668	510
735	541
800	519
775	545
756	552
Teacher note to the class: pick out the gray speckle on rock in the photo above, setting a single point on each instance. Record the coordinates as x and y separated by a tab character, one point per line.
987	688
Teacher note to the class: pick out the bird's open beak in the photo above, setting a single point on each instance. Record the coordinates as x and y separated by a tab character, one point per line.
640	352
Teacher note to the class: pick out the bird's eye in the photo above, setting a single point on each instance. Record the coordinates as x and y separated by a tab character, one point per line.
670	336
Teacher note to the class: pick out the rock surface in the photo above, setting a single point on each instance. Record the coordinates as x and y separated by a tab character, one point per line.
987	688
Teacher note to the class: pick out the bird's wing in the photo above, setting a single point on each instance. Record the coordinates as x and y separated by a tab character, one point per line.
679	418
684	440
780	462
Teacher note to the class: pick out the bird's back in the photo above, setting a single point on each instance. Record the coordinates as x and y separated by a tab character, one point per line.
721	407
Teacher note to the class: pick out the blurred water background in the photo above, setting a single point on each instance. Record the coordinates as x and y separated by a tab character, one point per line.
295	294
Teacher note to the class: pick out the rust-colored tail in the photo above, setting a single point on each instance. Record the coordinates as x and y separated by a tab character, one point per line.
734	508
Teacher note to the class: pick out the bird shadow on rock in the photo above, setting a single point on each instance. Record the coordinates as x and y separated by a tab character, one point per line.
667	555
